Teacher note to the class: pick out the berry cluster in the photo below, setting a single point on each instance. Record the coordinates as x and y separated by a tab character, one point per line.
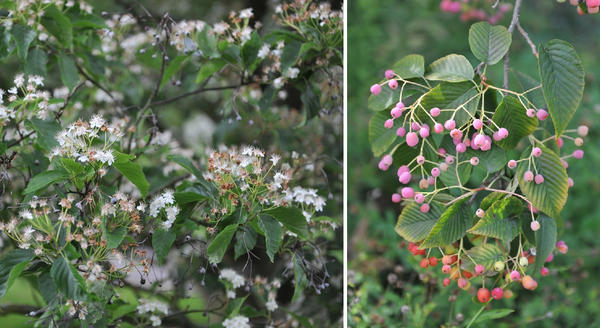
585	6
478	10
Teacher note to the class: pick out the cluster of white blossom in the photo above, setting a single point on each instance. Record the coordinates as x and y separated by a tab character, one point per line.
24	99
164	202
233	277
238	321
155	308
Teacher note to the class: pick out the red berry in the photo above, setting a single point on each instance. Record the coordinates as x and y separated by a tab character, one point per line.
449	259
447	282
544	271
433	261
483	295
424	263
446	268
497	293
479	269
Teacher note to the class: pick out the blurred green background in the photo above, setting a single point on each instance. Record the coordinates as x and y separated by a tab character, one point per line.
388	289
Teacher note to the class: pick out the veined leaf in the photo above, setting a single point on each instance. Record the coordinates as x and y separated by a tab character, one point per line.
381	138
511	115
545	239
11	266
489	43
485	254
451	226
452	68
500	220
410	66
219	245
414	225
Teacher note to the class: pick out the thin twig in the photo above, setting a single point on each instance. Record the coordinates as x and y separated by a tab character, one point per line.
511	28
526	37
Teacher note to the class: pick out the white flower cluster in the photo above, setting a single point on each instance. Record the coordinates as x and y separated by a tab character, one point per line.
305	196
238	321
76	141
27	87
164	201
156	308
182	35
233	277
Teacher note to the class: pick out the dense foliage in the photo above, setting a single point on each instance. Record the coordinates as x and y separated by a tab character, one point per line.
124	205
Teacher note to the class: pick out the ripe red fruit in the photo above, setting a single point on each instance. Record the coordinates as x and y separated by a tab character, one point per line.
449	259
483	295
497	293
446	268
479	269
433	261
544	271
446	282
529	283
424	263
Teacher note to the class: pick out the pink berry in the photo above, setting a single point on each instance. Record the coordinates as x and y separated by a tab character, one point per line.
402	169
544	271
564	163
389	74
542	114
531	112
497	293
559	142
407	192
477	124
401	132
449	124
400	105
582	130
529	283
425	208
435	172
419	198
515	275
376	89
487	144
389	123
474	160
570	182
503	133
537	152
462	282
404	177
592	3
528	176
443	166
387	160
446	282
480	212
479	140
496	136
446	269
539	178
442	151
393	84
424	131
396	112
479	269
420	159
449	160
461	147
438	128
412	139
456	134
592	10
535	225
435	112
512	164
382	166
415	126
578	154
430	180
550	258
396	198
562	247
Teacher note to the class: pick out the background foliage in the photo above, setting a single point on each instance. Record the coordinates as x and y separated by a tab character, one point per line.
387	286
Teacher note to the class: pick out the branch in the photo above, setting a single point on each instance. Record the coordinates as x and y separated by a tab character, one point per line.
511	28
8	309
526	37
195	92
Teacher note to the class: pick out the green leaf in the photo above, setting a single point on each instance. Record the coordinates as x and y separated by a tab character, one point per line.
36	62
115	237
172	68
273	235
486	255
290	54
500	220
451	226
452	68
189	197
23	36
58	25
300	278
494	159
381	138
562	76
66	278
523	82
291	218
245	240
209	68
186	163
545	240
489	43
46	287
162	241
234	306
511	115
551	195
410	66
450	177
462	96
68	71
12	265
250	50
132	171
414	225
46	132
493	314
45	179
218	246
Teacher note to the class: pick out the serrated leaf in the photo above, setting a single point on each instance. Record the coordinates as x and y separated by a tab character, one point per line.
217	248
493	314
58	25
511	115
486	255
451	96
172	68
12	265
545	240
562	77
291	218
414	225
451	68
551	195
68	71
380	138
489	43
44	179
209	68
410	66
113	237
450	177
273	235
36	62
132	171
46	131
245	240
65	278
300	278
162	241
23	36
500	220
451	226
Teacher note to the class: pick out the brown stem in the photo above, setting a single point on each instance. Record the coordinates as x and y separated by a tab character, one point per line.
511	28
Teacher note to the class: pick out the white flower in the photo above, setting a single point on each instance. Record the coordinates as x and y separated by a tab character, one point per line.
271	304
97	122
231	294
237	322
220	28
278	82
155	320
246	13
19	80
25	214
264	51
230	275
275	159
292	72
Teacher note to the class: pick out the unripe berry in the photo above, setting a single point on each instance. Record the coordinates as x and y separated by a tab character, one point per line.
462	283
438	128
393	84
449	124
477	124
425	208
387	159
400	105
420	159
479	140
523	261
446	269
389	74
562	247
404	178
529	283
515	275
382	166
401	132
375	89
433	261
536	151
474	161
456	134
443	166
396	198
402	169
419	198
503	133
483	295
424	131
407	192
578	142
480	212
508	294
512	164
539	178
496	136
542	114
531	112
389	123
570	182
578	154
442	151
435	112
528	176
499	266
449	160
446	282
424	263
497	293
544	271
431	180
487	144
582	130
396	112
435	172
535	225
479	269
461	147
412	139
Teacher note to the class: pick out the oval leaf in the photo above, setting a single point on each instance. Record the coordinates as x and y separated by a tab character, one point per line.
500	220
451	226
414	225
410	66
489	43
452	68
511	114
380	138
545	239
